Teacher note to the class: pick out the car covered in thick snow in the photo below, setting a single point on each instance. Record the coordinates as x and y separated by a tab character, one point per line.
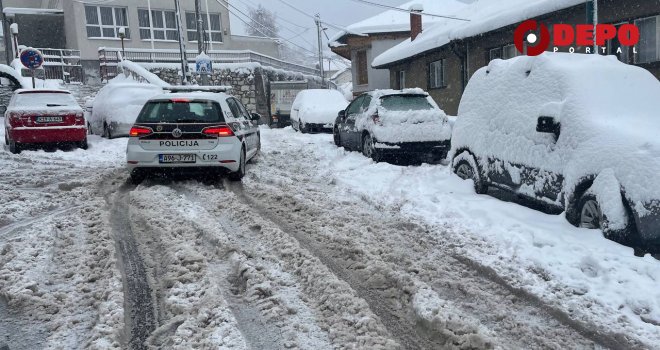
192	131
43	117
577	133
395	123
316	109
117	105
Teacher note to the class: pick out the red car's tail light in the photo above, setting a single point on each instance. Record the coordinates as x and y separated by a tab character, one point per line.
15	120
219	131
138	131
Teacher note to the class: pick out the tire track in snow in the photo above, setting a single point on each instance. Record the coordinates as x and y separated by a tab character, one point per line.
139	309
5	231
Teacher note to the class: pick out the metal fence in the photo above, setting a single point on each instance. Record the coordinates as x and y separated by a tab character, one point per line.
62	64
109	57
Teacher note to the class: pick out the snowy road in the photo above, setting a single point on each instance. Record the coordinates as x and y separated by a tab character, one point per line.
316	249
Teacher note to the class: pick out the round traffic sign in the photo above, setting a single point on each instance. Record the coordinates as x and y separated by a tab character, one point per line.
32	58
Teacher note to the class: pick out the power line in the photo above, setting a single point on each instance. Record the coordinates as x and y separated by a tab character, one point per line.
312	17
253	5
407	11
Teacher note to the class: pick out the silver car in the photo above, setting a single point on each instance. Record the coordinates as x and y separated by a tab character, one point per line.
192	131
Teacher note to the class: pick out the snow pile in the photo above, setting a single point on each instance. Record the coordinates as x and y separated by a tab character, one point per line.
391	21
397	125
149	77
484	16
120	101
317	106
608	113
13	72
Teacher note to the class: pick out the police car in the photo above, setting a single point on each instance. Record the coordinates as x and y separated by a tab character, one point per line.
193	129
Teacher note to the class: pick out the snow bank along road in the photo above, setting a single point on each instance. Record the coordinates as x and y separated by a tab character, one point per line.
318	248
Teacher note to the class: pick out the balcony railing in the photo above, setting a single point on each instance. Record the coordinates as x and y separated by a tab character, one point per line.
109	58
62	64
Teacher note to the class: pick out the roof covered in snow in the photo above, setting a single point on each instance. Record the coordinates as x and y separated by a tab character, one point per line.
484	16
392	21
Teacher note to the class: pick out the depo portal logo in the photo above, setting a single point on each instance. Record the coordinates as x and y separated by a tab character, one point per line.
570	36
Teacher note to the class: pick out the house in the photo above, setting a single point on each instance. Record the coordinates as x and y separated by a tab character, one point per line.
363	41
442	58
85	26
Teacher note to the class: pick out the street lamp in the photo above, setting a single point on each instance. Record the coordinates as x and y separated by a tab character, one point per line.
122	36
14	33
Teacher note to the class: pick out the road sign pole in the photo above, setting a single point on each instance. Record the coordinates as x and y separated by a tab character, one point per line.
34	81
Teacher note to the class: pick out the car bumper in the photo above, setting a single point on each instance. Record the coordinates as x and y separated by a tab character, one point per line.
319	127
647	218
439	147
48	134
225	156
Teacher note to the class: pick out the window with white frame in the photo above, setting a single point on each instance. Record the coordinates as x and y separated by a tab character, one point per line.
105	21
163	27
437	74
214	32
509	51
648	49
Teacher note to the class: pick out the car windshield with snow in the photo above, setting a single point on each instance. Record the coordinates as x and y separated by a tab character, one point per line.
44	117
192	131
390	123
574	132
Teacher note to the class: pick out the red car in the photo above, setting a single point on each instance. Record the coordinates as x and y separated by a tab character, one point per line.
40	117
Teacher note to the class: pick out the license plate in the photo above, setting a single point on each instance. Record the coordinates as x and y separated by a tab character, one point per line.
49	119
177	158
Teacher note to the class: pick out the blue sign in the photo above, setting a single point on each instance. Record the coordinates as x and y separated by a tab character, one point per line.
32	58
204	64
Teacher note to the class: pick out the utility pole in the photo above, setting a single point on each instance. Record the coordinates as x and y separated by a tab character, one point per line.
319	29
595	24
182	45
204	73
7	36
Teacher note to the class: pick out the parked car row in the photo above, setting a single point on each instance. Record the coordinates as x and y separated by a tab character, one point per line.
572	133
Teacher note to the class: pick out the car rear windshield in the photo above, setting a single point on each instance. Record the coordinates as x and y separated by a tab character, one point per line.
181	112
45	99
405	102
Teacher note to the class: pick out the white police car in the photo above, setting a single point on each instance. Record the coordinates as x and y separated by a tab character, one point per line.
192	130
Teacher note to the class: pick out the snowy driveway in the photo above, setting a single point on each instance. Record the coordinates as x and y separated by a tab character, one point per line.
318	248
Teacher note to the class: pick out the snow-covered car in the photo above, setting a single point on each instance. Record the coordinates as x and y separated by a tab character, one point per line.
394	123
577	133
193	131
117	105
316	109
43	116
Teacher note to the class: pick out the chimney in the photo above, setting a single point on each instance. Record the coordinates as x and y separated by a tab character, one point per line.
416	20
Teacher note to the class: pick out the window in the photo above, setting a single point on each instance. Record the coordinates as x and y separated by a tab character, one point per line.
105	21
494	54
437	74
355	106
615	48
648	49
164	26
214	32
509	51
401	79
405	103
362	68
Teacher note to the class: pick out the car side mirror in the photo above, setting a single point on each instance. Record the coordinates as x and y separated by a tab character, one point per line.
342	114
3	109
255	117
548	125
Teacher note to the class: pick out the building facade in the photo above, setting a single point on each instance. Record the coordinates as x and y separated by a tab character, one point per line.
88	26
444	71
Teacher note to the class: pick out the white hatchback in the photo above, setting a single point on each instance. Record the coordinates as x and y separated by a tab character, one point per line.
192	131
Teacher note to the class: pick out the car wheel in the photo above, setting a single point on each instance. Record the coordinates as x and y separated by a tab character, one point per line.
15	147
466	171
368	148
6	138
137	176
302	127
106	131
89	129
83	144
240	173
590	214
336	136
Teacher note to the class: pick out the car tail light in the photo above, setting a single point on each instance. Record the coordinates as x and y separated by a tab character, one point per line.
376	118
15	120
180	100
80	119
138	131
219	131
